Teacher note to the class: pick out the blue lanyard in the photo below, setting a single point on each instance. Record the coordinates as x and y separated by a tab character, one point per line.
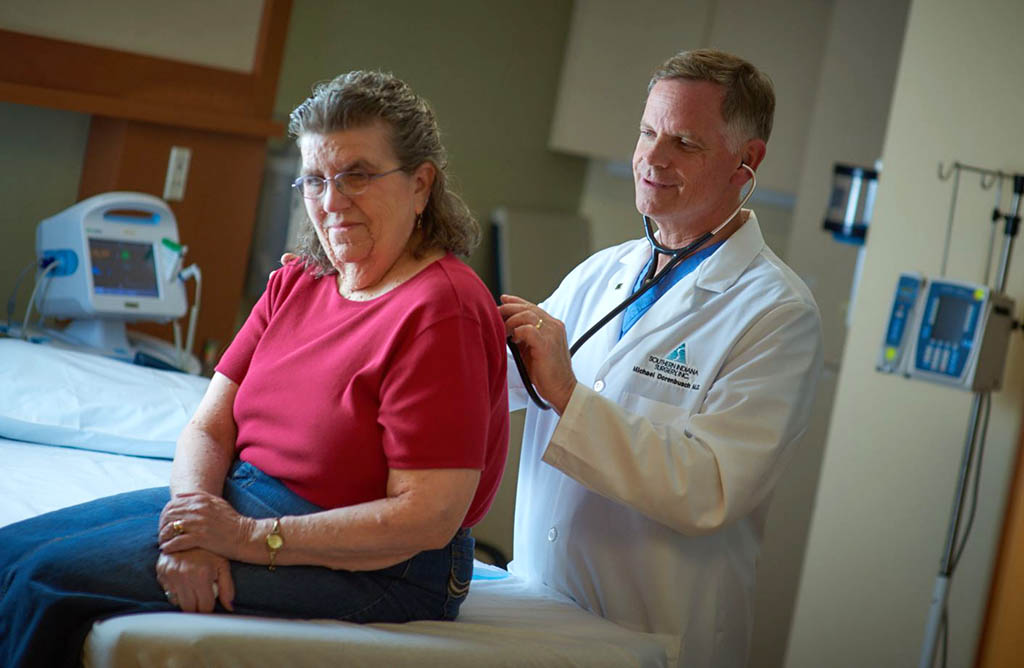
636	310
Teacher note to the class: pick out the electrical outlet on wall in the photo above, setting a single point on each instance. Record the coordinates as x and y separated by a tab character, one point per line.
177	173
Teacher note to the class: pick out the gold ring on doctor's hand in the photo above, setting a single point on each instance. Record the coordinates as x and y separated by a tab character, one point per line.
540	321
178	527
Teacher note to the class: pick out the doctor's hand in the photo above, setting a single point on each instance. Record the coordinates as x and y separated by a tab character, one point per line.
544	348
200	519
194	580
285	259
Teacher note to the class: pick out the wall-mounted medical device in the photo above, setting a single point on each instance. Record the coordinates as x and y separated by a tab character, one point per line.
851	203
110	259
949	332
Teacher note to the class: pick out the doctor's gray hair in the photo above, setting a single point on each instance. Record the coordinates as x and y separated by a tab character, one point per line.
748	107
362	98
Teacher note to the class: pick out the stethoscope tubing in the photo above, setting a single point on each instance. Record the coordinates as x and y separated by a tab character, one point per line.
678	256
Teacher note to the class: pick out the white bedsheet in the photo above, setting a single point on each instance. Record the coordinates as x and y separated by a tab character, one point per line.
64	397
504	622
35	479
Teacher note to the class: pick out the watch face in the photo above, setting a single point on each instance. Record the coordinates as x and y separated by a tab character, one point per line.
274	542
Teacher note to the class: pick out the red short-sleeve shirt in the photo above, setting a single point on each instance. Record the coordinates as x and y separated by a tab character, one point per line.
333	393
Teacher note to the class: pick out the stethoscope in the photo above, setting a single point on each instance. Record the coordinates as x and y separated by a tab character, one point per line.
652	279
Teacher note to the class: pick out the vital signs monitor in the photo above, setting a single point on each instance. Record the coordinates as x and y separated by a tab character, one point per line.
948	332
116	259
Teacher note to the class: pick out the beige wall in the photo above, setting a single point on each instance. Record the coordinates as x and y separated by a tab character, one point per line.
42	153
847	125
785	38
490	70
220	33
613	47
608	203
894	445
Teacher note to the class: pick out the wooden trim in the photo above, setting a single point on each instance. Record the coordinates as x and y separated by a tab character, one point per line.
67	75
269	53
1000	643
101	105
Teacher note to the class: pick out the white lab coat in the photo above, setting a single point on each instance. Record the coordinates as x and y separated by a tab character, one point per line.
645	502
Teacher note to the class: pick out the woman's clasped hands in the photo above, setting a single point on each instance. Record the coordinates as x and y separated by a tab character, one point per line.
199	533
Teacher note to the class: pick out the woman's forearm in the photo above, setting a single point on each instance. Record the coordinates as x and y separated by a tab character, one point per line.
206	447
375	534
200	462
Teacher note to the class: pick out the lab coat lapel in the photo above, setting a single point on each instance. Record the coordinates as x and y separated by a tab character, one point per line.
605	342
726	266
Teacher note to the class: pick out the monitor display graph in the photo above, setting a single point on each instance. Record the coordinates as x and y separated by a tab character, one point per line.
124	268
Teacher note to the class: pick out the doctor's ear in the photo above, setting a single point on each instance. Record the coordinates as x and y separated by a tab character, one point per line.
751	155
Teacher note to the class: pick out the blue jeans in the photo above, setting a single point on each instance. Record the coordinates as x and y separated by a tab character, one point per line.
64	570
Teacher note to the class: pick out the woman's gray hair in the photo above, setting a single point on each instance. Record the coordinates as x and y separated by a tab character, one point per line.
361	98
748	107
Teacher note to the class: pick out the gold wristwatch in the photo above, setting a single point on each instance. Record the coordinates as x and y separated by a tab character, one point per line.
274	542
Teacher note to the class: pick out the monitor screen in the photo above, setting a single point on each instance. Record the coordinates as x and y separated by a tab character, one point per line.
950	319
123	268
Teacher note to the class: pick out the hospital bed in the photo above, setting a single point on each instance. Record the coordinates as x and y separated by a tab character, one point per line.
75	426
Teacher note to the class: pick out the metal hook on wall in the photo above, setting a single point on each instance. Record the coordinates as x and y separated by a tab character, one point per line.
955	170
944	175
988	178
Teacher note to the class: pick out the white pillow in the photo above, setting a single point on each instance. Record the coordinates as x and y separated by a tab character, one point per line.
61	397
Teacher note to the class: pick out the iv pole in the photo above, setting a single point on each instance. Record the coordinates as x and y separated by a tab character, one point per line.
940	593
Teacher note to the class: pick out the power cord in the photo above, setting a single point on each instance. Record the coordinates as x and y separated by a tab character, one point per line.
977	484
961	544
192	271
12	299
945	637
50	265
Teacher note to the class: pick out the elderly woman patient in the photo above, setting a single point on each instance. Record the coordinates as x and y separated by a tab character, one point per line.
355	429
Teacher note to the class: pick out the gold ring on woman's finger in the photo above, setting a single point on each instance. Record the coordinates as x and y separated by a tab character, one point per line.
540	321
178	527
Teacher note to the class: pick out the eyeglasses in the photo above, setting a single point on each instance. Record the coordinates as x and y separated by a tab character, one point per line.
347	183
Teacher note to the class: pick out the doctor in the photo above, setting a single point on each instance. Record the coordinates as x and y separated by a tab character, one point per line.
643	494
